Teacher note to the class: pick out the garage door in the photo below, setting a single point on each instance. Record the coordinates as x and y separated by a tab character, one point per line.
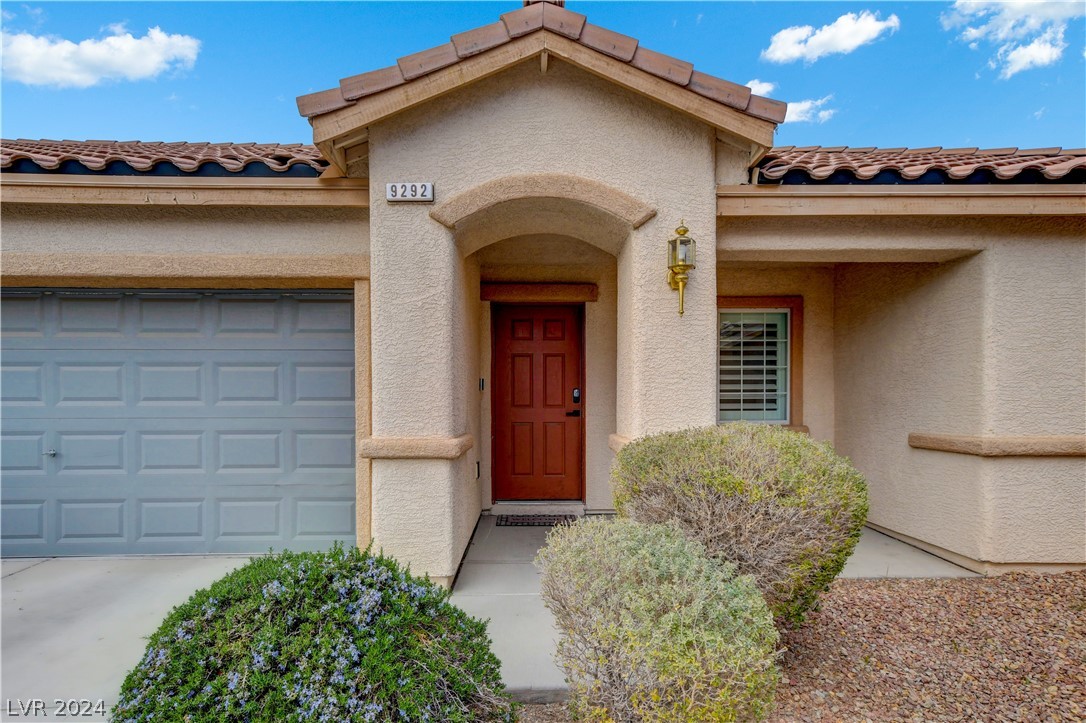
176	422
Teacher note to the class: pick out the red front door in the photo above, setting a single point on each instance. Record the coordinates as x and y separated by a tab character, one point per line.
537	414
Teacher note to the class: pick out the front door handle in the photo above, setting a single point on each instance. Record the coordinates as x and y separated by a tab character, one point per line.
574	413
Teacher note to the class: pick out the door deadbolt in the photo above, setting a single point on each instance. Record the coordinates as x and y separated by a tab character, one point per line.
576	395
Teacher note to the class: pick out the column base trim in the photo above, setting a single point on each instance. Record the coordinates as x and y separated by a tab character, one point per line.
414	447
1051	445
617	441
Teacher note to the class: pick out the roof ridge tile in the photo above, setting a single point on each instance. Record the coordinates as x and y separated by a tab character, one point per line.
663	66
616	45
374	81
478	40
564	22
722	91
524	20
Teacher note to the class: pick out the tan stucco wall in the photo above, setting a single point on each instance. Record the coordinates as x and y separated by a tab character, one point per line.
184	230
909	356
815	285
424	327
988	345
558	259
833	239
184	246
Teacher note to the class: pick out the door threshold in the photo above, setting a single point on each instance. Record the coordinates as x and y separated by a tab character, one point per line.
537	507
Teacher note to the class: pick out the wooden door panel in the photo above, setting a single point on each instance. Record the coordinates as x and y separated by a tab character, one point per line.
522	454
554	448
521	380
554	380
538	429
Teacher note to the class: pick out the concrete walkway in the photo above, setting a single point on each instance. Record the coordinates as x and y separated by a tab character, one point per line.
74	627
499	582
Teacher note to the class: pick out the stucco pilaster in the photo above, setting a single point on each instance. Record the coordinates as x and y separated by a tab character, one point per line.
418	360
666	362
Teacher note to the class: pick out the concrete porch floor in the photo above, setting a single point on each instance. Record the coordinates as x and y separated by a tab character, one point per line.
499	582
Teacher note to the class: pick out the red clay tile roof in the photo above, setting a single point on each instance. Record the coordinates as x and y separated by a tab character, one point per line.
541	16
815	162
819	162
143	157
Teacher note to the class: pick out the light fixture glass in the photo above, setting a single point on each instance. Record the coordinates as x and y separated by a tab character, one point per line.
681	252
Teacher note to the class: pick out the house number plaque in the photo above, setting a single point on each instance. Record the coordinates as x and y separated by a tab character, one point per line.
408	192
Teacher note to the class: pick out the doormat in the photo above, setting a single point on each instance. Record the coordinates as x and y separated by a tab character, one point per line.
534	520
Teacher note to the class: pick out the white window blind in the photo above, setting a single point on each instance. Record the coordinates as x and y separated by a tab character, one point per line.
754	365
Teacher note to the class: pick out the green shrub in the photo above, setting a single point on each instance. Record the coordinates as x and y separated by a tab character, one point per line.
336	636
784	508
653	629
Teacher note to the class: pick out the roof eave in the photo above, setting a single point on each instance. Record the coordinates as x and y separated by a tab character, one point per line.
896	200
67	189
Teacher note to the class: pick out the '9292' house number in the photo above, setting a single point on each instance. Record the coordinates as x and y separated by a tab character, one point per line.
407	192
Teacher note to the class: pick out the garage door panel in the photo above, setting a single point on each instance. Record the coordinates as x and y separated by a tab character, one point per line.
97	318
175	316
151	384
162	446
92	452
22	452
101	520
160	383
23	317
319	318
171	519
22	383
150	320
186	450
23	521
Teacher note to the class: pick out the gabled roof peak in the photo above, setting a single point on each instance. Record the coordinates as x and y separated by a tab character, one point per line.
547	18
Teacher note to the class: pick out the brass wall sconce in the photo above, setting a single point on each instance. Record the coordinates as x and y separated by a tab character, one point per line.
680	260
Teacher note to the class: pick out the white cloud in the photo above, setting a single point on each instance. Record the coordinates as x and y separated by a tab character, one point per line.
46	60
810	111
1039	113
843	35
6	15
1024	33
1045	50
761	87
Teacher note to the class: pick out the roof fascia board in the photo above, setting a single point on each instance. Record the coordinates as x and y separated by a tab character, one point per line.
331	127
182	190
936	200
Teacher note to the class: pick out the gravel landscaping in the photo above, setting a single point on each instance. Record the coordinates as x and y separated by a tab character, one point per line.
1003	648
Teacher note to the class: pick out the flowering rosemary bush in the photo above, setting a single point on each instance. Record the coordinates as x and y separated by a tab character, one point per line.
335	636
782	507
653	629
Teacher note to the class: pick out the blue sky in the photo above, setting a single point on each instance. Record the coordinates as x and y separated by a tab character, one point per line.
988	74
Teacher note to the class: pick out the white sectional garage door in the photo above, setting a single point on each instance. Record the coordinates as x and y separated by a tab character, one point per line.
176	422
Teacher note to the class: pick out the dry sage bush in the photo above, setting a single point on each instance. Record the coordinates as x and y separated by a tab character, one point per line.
784	508
653	629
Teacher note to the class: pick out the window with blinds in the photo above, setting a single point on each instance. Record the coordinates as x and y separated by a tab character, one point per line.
754	365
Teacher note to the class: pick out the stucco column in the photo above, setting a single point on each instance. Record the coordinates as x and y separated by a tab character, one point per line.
419	425
667	373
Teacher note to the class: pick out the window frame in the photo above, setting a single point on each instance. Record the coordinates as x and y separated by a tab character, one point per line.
794	306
